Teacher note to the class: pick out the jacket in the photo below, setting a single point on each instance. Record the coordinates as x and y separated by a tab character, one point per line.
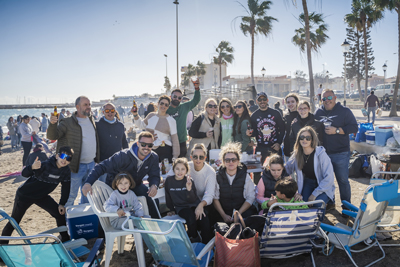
26	132
270	182
11	128
242	137
289	117
112	137
200	126
68	132
296	127
323	171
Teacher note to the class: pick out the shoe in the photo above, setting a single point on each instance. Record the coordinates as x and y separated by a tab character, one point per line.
330	207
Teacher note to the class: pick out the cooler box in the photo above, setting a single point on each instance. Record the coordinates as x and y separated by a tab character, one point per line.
370	135
383	133
82	222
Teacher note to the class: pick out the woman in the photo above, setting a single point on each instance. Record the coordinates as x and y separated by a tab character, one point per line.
241	122
167	144
150	108
235	189
305	118
206	127
19	121
313	168
26	139
11	125
277	107
292	101
226	116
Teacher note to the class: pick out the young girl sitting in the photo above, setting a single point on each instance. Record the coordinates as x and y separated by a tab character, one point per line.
123	200
181	198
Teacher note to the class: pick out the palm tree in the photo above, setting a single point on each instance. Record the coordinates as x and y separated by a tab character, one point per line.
167	85
256	23
225	56
200	70
393	5
190	71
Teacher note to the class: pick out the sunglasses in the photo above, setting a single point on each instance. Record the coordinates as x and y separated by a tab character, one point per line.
65	156
212	106
227	106
327	98
198	157
262	99
238	106
164	104
143	144
109	110
175	97
308	138
233	160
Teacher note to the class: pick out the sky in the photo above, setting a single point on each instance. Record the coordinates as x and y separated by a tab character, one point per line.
52	51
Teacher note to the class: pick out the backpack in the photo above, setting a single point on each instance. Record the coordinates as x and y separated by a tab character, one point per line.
358	164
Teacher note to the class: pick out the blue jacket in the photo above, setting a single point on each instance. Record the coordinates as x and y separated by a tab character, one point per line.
127	160
340	117
112	137
323	171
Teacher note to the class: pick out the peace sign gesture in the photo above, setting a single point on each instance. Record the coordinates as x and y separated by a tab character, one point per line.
37	164
189	183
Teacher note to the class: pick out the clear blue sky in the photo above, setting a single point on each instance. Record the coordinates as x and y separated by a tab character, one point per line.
61	49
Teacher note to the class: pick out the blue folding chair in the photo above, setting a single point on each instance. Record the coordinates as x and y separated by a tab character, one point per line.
367	217
49	252
288	233
169	243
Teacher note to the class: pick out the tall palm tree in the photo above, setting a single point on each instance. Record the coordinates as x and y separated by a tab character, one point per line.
393	5
225	56
167	85
190	71
200	70
256	23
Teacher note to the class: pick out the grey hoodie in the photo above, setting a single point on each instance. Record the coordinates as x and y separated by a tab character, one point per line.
26	131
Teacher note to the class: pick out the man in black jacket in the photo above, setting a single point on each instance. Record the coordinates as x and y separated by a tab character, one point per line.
292	101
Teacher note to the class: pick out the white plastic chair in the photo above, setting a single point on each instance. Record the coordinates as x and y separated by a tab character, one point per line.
100	193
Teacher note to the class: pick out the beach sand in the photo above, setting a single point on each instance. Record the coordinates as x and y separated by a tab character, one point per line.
37	220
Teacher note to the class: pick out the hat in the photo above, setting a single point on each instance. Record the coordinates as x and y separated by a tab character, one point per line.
261	94
26	117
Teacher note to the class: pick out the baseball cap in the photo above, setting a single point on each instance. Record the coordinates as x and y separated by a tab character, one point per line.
261	94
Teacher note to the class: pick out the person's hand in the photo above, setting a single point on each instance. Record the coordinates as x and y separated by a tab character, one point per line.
210	133
249	132
61	209
276	146
196	84
53	119
152	191
189	183
227	218
294	121
199	212
330	130
312	198
298	197
171	213
37	164
271	202
121	212
86	188
155	137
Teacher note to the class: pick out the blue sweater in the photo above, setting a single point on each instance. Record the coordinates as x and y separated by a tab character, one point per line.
112	138
340	117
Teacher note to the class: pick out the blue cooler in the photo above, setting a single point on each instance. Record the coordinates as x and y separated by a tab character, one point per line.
370	135
382	134
82	222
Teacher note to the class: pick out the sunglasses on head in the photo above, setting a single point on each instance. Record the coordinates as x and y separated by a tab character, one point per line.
238	106
198	157
65	156
109	110
143	144
212	106
164	104
327	98
225	106
233	160
175	97
308	138
262	99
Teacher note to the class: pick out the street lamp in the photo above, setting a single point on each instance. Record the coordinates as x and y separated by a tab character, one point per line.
384	67
177	53
263	71
166	65
345	50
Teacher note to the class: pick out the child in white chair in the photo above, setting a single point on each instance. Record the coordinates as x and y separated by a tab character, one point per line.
123	200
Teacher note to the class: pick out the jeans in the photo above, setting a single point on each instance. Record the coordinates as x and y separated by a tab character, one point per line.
141	190
13	140
372	109
77	181
309	186
44	129
340	162
27	149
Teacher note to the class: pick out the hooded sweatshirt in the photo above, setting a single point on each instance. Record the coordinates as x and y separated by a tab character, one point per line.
289	117
112	137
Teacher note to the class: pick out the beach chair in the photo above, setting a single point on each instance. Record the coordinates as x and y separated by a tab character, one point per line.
288	233
76	248
367	217
47	251
100	193
169	243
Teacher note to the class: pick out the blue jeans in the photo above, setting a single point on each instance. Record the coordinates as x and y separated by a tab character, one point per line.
340	162
77	181
13	140
44	129
309	186
372	109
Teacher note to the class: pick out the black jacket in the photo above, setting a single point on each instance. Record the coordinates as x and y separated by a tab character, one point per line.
112	137
289	117
270	182
317	126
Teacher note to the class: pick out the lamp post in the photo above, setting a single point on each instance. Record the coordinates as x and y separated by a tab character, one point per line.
263	71
345	50
166	65
384	67
176	2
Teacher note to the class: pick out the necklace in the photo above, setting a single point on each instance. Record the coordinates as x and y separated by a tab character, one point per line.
307	157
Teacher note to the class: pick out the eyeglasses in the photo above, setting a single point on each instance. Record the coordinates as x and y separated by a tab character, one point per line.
327	98
109	110
238	106
262	99
143	144
212	106
308	138
233	160
226	106
164	104
65	156
198	157
175	97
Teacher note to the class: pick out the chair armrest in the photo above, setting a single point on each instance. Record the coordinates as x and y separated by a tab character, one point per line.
93	253
333	229
147	232
75	243
55	230
107	214
207	248
349	206
350	213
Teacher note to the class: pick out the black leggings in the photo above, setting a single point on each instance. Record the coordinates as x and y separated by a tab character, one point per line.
164	152
193	225
27	149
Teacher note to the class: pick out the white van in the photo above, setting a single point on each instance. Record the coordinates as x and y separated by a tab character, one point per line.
385	90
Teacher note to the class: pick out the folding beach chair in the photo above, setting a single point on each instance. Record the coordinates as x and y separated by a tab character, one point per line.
288	233
48	251
169	243
367	217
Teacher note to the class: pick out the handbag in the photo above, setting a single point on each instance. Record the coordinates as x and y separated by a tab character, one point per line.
237	252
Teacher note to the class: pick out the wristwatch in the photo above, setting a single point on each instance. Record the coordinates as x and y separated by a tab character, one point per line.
337	131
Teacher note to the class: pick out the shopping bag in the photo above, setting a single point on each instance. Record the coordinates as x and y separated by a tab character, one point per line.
396	132
379	112
364	112
362	128
236	252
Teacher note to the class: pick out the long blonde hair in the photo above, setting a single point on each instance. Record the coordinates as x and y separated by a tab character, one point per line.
298	149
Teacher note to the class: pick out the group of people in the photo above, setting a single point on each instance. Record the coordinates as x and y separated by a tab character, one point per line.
316	149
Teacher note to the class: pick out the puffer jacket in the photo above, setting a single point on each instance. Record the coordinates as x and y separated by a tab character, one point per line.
68	132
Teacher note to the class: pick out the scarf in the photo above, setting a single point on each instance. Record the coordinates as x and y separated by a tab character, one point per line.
227	117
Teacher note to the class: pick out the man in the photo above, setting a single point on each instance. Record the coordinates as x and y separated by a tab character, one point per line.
253	107
372	101
138	161
339	123
121	112
45	123
111	133
292	101
319	93
179	112
79	132
62	114
142	110
35	124
68	113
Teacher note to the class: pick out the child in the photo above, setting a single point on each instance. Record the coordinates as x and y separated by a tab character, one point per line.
285	189
123	200
44	179
181	198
